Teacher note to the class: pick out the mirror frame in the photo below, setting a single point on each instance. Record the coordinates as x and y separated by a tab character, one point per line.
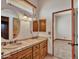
16	27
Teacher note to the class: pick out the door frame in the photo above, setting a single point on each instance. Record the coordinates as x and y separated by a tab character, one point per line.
73	27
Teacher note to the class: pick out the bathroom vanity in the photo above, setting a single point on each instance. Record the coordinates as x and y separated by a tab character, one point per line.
29	49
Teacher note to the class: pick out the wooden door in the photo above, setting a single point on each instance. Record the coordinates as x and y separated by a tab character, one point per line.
71	44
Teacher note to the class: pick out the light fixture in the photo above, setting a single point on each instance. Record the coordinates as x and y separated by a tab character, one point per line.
29	19
25	18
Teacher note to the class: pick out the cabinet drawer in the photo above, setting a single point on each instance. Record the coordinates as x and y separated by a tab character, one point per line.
36	57
28	56
36	47
25	51
14	56
10	57
43	44
37	52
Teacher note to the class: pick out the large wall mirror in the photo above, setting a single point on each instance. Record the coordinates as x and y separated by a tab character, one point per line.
5	27
16	27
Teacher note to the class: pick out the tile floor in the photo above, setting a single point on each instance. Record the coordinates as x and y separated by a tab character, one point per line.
62	49
50	57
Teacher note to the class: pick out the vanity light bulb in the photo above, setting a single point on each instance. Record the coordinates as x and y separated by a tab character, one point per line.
34	19
30	19
25	17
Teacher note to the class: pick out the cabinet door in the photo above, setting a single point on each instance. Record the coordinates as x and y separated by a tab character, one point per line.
36	57
25	54
42	25
41	54
11	57
36	50
43	49
29	56
35	26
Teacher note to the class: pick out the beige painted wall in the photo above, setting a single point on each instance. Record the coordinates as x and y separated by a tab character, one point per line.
25	27
22	35
63	26
47	7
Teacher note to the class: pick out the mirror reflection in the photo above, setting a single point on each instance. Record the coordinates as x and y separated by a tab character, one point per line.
5	27
16	27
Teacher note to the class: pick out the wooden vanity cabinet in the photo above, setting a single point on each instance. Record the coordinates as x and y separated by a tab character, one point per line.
25	54
43	49
37	51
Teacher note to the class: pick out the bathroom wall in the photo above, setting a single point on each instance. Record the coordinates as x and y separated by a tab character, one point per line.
47	7
25	27
9	13
63	26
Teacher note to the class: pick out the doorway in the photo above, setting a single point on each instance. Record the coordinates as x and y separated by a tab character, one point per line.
62	34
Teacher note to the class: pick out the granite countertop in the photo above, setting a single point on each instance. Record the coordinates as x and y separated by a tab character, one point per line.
24	44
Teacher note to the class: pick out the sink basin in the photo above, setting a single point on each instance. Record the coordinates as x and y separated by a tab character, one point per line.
12	46
17	43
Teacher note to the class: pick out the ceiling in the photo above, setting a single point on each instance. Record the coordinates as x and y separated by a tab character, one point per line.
4	5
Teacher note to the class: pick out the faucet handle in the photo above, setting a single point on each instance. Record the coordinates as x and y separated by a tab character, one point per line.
3	43
15	41
2	53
